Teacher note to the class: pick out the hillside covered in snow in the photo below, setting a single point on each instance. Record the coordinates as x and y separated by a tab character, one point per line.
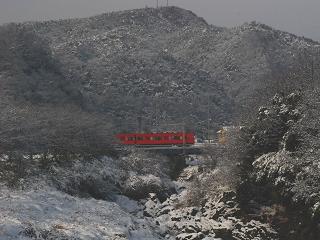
162	64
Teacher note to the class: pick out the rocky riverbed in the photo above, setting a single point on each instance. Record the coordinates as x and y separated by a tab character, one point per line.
218	218
45	212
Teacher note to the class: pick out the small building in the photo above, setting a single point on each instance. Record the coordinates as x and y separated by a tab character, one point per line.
226	133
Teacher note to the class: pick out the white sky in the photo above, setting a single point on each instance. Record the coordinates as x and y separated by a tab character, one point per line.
301	17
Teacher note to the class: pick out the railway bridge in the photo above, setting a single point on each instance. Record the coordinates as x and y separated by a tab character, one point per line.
195	149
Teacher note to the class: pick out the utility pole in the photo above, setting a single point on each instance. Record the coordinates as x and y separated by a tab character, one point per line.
315	68
139	124
312	70
310	59
184	138
167	3
157	3
208	119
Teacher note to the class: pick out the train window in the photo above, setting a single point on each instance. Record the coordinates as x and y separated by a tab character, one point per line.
131	138
140	138
157	138
177	137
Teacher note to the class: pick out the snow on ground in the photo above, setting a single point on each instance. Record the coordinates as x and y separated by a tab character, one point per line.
50	214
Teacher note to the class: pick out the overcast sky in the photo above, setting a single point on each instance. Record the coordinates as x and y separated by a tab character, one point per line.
301	17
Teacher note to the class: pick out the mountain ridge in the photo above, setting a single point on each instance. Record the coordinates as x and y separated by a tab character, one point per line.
169	65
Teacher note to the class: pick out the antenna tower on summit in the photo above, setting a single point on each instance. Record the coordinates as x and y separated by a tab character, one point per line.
157	3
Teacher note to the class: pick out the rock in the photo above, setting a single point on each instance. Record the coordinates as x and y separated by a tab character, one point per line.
151	208
153	196
139	187
176	218
211	238
222	229
190	236
211	213
228	196
127	204
194	211
189	173
253	230
191	229
165	210
229	212
188	226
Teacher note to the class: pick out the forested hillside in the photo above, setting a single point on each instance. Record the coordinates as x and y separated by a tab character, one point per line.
176	62
165	65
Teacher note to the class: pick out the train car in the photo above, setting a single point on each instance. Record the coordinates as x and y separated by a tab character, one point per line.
150	139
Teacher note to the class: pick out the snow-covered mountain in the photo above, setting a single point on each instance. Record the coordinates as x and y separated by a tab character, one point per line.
167	65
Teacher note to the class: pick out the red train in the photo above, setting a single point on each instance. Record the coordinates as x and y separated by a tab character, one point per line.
144	139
